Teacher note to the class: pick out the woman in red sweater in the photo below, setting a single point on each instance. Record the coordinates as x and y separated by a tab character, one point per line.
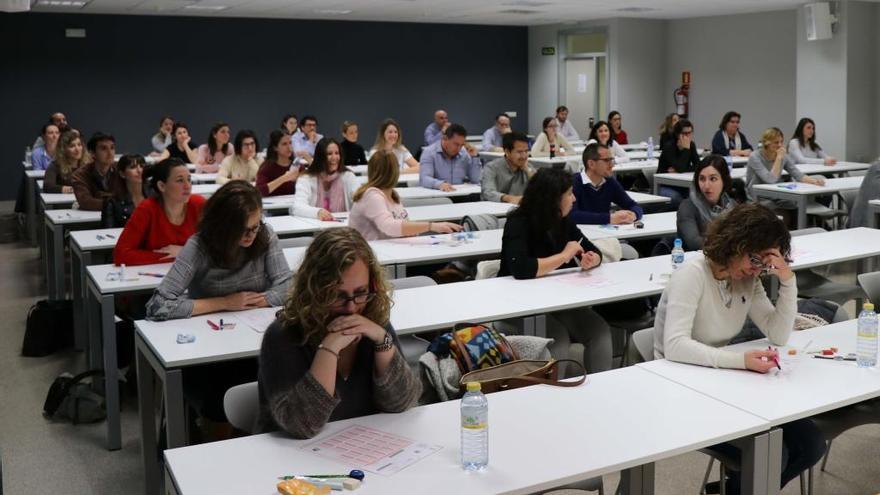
162	223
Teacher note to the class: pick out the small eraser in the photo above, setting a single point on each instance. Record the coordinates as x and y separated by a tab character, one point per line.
351	484
185	338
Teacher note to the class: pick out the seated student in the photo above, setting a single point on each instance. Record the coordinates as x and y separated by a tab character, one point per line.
766	165
869	190
289	124
326	187
163	137
377	212
243	164
91	182
162	223
566	129
504	179
42	155
390	138
218	148
450	161
182	147
678	157
352	152
435	129
277	175
595	188
803	147
126	191
305	140
551	137
540	237
58	120
69	157
666	135
616	121
728	141
603	134
709	198
706	303
326	361
492	138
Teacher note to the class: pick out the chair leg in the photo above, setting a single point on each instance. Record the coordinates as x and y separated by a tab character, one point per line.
706	477
827	453
722	483
803	483
810	481
602	488
624	359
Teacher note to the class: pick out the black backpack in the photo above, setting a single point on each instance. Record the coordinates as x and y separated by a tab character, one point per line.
49	328
71	399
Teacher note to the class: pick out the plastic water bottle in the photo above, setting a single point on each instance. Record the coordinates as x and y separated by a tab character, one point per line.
474	428
650	147
28	154
677	255
866	342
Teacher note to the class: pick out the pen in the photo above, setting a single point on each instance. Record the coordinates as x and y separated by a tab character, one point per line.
213	325
99	237
835	358
775	358
110	236
650	277
150	274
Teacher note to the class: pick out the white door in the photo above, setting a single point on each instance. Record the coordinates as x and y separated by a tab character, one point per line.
580	93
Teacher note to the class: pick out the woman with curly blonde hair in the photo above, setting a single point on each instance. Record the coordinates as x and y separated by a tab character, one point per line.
70	155
332	353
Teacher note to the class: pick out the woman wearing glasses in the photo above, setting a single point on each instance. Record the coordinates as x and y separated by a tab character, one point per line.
679	157
243	164
551	137
706	303
232	263
332	353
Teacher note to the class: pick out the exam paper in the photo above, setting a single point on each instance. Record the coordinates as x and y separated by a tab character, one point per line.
371	450
257	319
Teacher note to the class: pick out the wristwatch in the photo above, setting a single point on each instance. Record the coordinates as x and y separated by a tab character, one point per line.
385	345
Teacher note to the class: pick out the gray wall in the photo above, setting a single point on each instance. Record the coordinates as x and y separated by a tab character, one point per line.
861	121
741	62
640	46
249	72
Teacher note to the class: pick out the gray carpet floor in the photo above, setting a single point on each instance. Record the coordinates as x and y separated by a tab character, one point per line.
39	456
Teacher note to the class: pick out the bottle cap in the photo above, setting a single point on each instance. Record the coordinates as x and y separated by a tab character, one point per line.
473	386
677	242
868	306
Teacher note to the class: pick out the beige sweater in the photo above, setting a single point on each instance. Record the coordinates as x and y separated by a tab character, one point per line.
692	320
234	168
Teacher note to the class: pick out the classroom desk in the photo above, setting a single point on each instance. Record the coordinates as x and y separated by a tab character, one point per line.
87	247
203	178
619	432
873	211
800	193
55	223
402	180
31	177
425	192
655	225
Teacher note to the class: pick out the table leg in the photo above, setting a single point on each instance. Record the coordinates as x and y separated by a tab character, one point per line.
637	480
170	487
761	463
93	325
175	424
149	439
79	260
48	259
802	212
111	372
528	325
872	217
31	210
540	328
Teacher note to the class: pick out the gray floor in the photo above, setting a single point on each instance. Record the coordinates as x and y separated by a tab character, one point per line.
42	457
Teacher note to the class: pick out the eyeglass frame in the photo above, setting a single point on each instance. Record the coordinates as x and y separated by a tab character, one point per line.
342	300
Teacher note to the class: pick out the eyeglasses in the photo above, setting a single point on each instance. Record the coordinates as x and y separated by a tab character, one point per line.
253	230
343	300
756	262
248	144
687	133
606	160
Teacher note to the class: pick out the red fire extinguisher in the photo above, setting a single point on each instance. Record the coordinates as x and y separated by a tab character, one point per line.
680	95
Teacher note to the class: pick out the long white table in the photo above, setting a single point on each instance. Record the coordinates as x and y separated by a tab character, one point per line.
55	223
685	179
626	418
799	193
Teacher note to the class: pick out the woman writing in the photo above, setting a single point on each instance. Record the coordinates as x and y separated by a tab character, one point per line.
327	186
706	304
539	237
709	198
377	212
277	175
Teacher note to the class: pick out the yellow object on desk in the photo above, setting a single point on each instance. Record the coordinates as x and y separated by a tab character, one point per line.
301	487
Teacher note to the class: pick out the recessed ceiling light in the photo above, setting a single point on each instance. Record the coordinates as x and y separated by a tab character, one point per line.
333	12
519	11
636	10
70	4
212	8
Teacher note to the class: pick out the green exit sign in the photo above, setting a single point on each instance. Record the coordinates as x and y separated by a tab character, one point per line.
548	50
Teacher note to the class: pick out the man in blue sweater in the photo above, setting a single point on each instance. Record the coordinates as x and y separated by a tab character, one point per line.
595	189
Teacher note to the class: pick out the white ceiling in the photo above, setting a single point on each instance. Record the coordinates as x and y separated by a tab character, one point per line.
531	12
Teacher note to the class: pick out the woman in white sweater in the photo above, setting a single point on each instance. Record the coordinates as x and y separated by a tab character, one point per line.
551	136
706	304
326	187
243	164
803	147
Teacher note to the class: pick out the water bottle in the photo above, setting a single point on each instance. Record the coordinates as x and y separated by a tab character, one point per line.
729	160
866	343
677	255
28	154
552	150
650	147
474	428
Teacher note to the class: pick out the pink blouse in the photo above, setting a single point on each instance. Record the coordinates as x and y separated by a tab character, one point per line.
207	164
377	217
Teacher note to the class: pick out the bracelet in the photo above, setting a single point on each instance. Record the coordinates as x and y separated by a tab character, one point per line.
331	351
386	344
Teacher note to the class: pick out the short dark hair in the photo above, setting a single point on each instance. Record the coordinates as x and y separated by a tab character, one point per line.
455	130
594	132
177	125
223	223
727	116
502	114
718	163
243	134
307	118
612	114
561	108
680	127
591	152
96	138
509	140
748	228
46	128
546	122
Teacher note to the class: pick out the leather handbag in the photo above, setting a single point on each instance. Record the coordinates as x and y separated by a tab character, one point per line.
521	373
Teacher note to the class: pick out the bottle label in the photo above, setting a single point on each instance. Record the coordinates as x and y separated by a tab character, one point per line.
474	422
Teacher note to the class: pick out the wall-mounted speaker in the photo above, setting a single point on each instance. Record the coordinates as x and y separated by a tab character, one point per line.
818	19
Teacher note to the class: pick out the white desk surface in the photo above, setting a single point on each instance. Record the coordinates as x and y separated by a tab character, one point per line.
805	387
64	217
646	199
655	225
424	192
56	199
132	283
800	189
635	166
874	202
583	442
92	240
203	178
403	179
35	174
837	246
205	190
837	168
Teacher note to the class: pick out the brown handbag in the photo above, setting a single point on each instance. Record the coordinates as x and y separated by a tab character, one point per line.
521	373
